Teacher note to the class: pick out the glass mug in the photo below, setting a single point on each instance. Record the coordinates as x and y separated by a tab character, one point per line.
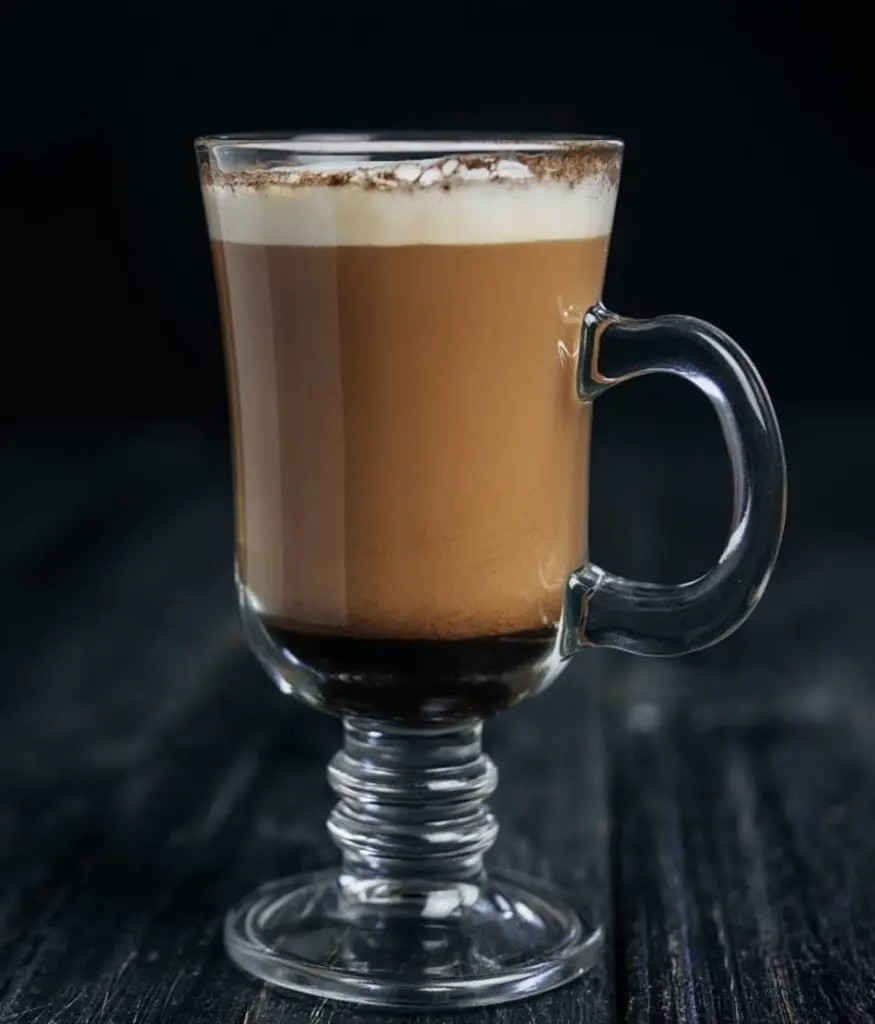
414	340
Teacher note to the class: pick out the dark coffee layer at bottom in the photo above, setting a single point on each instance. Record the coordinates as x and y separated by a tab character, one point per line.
415	680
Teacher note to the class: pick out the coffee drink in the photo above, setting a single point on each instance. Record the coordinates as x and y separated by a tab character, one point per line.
410	452
414	340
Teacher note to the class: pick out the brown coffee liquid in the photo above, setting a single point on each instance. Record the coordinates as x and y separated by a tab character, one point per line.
411	458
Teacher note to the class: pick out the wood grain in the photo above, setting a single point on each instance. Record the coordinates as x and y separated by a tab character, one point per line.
150	775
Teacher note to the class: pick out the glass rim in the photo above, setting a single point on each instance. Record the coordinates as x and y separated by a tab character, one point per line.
396	143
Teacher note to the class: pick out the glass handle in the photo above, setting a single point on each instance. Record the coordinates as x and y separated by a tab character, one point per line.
603	610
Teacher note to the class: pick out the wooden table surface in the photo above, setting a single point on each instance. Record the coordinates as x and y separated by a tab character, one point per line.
717	812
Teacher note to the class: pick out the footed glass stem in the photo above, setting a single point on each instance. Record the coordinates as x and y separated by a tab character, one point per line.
411	919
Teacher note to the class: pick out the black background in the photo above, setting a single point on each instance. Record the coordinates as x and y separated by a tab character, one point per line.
742	198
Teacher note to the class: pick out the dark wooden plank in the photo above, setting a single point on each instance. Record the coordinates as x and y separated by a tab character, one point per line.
150	775
744	847
743	782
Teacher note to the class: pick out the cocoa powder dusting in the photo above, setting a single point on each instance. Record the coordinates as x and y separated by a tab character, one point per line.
568	165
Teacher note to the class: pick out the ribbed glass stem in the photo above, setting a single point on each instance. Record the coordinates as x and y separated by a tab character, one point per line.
412	804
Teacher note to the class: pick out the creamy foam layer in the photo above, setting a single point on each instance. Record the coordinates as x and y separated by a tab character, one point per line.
417	203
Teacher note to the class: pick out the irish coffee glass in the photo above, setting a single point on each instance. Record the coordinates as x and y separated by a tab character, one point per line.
411	918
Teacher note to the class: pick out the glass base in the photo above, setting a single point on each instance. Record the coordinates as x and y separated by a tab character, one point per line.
408	945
